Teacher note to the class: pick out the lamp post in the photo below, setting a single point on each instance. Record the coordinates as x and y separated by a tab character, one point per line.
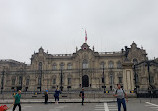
2	82
61	80
103	79
40	70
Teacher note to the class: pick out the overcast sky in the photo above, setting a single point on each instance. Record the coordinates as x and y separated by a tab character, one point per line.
58	26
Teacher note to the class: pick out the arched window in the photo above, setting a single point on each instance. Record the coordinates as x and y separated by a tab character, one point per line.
135	61
54	66
85	64
119	65
111	64
69	66
102	65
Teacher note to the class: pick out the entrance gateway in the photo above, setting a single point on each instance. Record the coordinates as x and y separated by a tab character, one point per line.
85	81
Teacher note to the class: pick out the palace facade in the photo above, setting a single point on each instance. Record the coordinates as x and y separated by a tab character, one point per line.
84	68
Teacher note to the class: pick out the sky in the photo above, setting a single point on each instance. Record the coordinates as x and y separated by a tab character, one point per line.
59	26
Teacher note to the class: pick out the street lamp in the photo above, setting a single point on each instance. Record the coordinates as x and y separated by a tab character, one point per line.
2	82
61	80
103	79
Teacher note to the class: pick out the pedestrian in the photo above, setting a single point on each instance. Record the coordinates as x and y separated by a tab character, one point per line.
82	95
120	95
17	100
56	95
46	96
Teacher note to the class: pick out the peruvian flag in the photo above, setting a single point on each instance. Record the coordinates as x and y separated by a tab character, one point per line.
85	36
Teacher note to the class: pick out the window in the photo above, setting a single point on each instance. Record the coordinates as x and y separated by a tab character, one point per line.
62	66
102	65
27	81
54	66
54	81
69	66
151	79
119	65
135	61
39	81
85	64
69	81
111	79
20	80
103	80
111	64
120	79
40	66
13	81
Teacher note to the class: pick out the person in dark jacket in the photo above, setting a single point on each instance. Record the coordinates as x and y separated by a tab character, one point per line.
56	95
82	95
46	96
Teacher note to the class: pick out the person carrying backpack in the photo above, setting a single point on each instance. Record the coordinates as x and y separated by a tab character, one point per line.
120	95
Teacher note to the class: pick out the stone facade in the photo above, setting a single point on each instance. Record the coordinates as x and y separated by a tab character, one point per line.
84	68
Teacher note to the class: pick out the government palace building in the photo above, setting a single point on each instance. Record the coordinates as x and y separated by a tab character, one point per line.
85	68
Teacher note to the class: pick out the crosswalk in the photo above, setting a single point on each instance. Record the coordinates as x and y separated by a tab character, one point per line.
152	106
106	107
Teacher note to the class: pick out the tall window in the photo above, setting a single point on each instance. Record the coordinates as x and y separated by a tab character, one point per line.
40	66
54	66
102	65
111	64
62	66
120	79
111	79
85	64
69	81
39	81
20	80
27	81
13	81
152	79
54	81
119	65
69	66
135	61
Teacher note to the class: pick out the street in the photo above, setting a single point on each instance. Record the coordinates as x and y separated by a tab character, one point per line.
131	106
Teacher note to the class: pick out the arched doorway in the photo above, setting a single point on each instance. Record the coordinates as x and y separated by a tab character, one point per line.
85	81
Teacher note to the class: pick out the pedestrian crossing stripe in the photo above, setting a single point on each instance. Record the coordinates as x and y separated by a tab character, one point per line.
106	107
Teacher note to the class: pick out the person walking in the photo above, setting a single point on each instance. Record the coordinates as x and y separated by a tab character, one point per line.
56	95
82	95
46	96
120	95
17	98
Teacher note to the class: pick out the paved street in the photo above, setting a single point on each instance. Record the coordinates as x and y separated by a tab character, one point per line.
132	106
